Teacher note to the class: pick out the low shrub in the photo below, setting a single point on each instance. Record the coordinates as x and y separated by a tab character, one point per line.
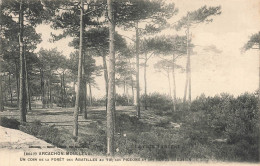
123	100
126	123
157	101
9	123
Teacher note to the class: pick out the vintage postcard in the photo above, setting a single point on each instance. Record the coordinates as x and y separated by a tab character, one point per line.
129	82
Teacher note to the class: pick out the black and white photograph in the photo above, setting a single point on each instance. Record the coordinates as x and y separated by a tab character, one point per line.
129	82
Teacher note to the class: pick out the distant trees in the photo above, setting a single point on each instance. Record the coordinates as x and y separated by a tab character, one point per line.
254	40
153	14
193	18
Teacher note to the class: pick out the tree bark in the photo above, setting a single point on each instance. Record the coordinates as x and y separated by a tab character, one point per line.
43	89
189	79
22	102
145	83
17	73
173	82
90	95
10	88
111	83
187	66
85	114
137	72
83	90
27	83
169	82
1	92
50	93
76	111
105	75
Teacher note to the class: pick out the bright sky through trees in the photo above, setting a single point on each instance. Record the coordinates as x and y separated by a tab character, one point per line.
213	72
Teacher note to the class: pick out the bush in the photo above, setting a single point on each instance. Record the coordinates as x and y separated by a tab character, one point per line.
9	104
157	101
123	100
126	123
99	102
48	133
9	123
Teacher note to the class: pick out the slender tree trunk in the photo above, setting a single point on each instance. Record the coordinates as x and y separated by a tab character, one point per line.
137	73
124	87
22	102
43	89
50	93
187	67
132	83
189	80
76	111
64	85
90	95
111	83
127	94
85	114
145	83
10	88
1	92
105	75
4	90
61	91
174	83
169	82
27	82
83	90
17	73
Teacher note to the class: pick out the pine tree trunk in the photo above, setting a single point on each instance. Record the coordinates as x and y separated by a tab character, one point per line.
132	83
111	83
10	88
187	67
50	94
17	73
174	83
105	75
42	89
22	102
127	94
189	80
137	73
76	111
90	95
27	83
85	114
169	82
83	89
145	83
61	91
1	92
64	91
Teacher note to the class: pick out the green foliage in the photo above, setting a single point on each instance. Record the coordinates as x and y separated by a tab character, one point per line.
126	123
254	39
157	101
123	101
166	45
9	123
153	11
223	116
48	133
198	16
